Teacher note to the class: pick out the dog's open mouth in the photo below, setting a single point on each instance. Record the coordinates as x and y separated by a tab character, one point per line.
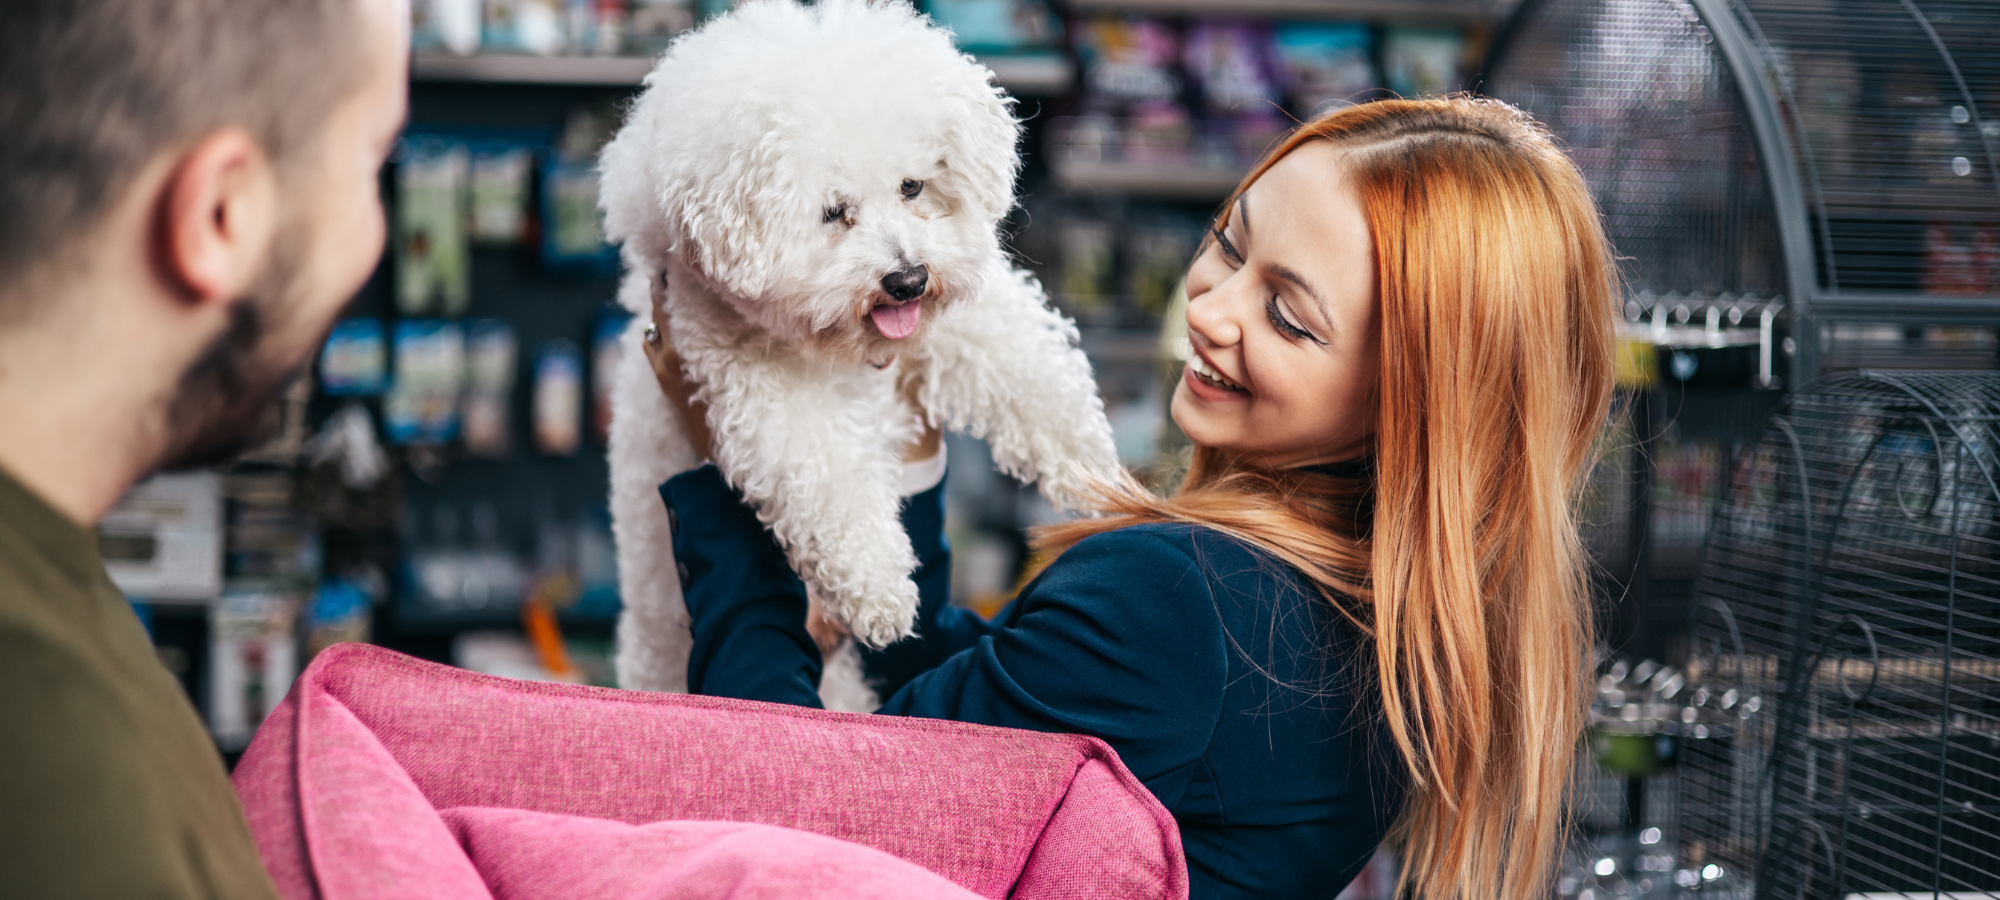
897	320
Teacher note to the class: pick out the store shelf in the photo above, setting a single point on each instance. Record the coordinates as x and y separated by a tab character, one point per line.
1394	10
499	68
1021	75
1163	180
1032	76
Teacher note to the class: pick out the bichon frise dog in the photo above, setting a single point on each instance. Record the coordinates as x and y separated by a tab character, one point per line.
818	192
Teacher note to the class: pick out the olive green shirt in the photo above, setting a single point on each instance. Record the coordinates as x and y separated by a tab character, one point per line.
109	784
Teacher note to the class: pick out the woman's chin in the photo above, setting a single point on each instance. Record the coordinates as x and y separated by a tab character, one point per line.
1199	424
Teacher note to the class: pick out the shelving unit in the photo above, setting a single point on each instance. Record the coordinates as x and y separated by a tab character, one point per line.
1390	10
604	71
1023	75
1166	181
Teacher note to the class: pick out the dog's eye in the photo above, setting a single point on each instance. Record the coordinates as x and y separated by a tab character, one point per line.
911	188
834	214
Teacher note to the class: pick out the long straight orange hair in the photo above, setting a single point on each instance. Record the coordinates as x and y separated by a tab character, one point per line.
1496	288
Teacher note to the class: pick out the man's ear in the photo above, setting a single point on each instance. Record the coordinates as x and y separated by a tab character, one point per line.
218	210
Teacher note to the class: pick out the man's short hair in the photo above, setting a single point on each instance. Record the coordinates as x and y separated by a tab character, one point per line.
91	91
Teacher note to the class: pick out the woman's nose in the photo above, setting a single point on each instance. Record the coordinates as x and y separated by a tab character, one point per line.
1212	318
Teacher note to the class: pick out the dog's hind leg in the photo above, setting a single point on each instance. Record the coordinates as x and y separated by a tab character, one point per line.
1006	368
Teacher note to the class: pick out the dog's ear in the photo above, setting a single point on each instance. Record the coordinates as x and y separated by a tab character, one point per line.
980	148
662	200
719	216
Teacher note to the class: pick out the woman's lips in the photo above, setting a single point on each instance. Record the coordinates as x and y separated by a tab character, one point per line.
1206	390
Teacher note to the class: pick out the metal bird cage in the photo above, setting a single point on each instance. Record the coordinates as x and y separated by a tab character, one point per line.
1797	189
1772	169
1845	735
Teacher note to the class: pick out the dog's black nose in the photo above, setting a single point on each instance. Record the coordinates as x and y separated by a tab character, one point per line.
906	284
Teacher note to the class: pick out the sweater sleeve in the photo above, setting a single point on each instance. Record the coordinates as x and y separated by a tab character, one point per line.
1118	639
746	608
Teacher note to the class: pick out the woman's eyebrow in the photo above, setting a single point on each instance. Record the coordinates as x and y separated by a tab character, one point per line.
1243	212
1295	278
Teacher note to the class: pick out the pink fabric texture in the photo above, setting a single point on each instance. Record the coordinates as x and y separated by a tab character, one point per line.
345	783
539	856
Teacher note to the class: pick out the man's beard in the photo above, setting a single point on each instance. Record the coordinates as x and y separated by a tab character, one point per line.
227	401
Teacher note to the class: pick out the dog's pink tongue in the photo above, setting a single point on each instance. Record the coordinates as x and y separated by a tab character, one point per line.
897	322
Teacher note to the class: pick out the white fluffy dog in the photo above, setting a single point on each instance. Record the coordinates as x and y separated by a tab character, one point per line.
818	192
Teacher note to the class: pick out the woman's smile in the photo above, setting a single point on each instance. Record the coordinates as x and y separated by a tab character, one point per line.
1209	383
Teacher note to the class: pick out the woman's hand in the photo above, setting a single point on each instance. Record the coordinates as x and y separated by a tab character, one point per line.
673	381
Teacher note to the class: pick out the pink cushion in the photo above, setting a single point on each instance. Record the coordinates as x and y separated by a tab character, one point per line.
540	856
343	784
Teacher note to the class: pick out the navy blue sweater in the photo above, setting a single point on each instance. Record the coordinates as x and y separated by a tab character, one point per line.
1225	683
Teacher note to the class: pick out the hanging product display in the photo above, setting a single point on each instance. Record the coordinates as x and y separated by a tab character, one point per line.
253	657
558	398
484	426
1324	64
499	191
524	26
355	360
1419	62
998	26
607	351
422	407
433	262
163	541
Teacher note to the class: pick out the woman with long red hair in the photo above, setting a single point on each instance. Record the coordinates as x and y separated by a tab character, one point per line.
1363	614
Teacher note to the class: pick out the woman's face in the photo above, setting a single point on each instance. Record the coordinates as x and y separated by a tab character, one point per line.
1282	317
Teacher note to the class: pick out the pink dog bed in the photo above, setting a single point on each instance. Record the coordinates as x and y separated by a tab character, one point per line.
383	776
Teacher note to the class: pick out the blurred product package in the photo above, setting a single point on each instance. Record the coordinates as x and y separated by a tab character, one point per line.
340	612
164	540
433	261
355	360
998	26
1418	62
1324	64
422	405
491	359
652	24
253	657
449	25
572	228
499	191
1230	65
558	398
524	26
1131	76
607	353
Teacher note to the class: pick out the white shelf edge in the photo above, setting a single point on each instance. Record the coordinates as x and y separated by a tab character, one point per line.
504	68
1031	76
1024	75
1148	179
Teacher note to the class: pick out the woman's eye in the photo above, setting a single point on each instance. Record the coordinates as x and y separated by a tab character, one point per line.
834	214
911	188
1228	249
1284	325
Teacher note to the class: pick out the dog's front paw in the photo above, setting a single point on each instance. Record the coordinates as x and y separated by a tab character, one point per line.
887	616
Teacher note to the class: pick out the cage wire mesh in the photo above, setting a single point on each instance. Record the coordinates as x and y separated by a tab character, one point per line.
1635	92
1888	104
1844	734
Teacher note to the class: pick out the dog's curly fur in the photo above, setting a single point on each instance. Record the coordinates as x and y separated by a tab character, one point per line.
764	181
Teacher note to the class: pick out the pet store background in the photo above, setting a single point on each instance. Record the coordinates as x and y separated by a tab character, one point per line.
439	487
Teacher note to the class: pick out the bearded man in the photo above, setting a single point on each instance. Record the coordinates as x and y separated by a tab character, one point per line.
187	198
